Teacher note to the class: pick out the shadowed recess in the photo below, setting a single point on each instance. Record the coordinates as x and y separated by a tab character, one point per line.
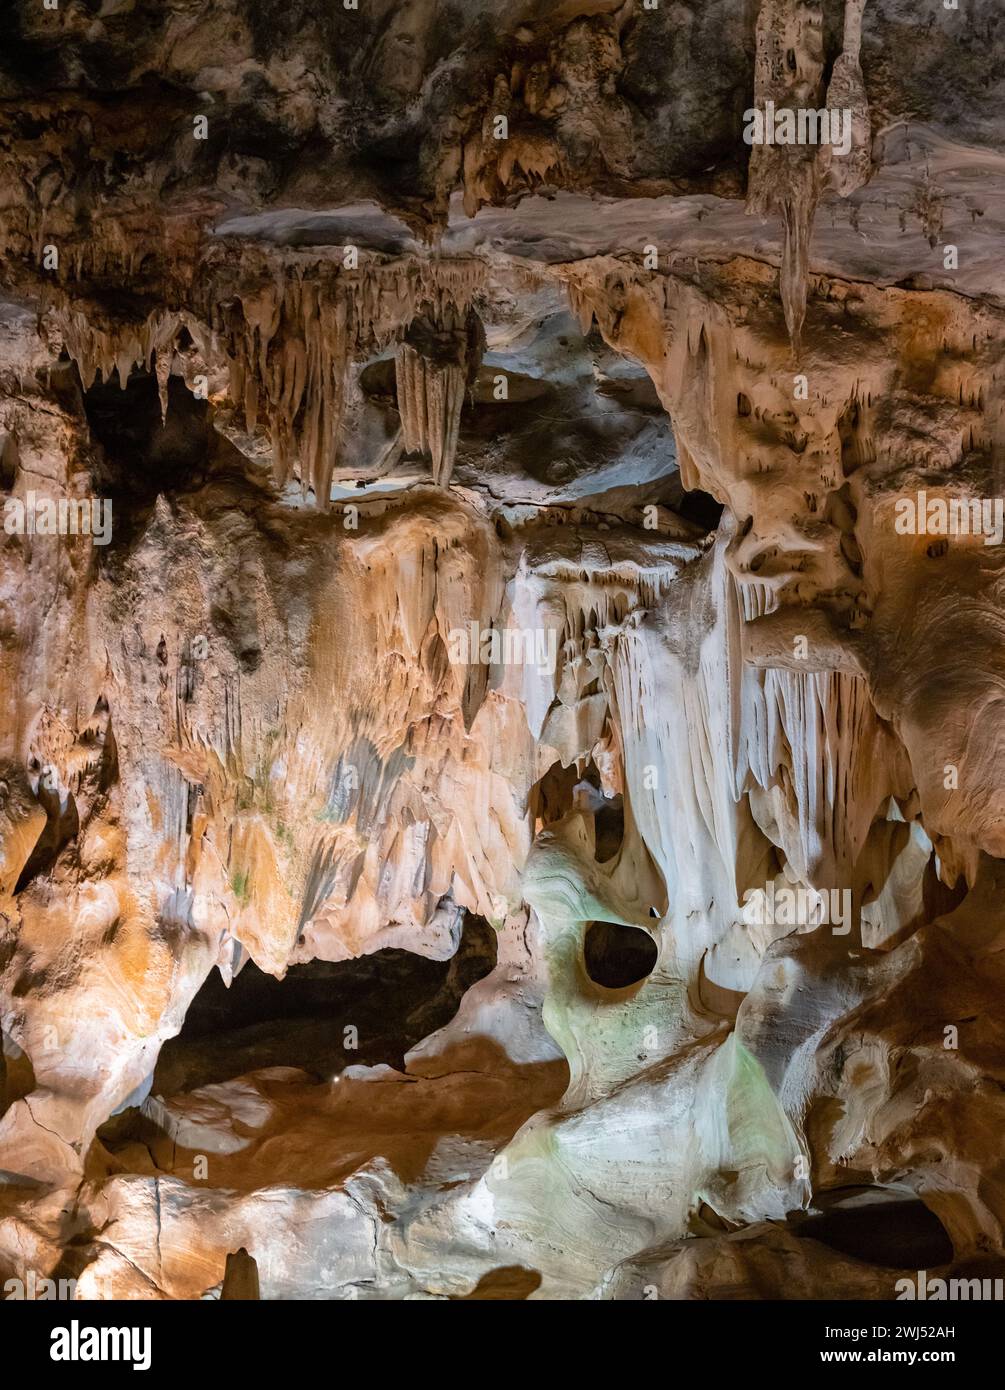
392	999
885	1229
616	956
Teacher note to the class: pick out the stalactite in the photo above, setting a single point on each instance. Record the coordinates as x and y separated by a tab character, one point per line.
290	345
114	346
433	367
289	355
789	178
430	396
846	92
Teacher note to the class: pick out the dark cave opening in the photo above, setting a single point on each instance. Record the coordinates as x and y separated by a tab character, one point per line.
890	1229
323	1016
693	505
8	461
565	789
609	826
701	508
617	956
940	900
61	826
141	455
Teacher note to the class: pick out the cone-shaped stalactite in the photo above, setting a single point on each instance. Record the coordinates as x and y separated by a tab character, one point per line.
804	139
434	366
289	364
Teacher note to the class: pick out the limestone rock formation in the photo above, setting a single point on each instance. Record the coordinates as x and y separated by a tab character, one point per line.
502	640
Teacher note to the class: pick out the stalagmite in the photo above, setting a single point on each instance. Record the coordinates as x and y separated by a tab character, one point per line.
240	1280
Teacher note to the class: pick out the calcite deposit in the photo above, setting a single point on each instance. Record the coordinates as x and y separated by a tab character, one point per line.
512	805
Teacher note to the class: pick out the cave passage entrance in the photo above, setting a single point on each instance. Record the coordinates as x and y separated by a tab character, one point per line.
322	1016
881	1227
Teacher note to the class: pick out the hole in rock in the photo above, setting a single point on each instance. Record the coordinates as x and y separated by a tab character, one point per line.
9	460
141	456
609	826
393	999
617	956
551	797
693	505
61	826
880	1227
17	1075
940	900
701	508
564	789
